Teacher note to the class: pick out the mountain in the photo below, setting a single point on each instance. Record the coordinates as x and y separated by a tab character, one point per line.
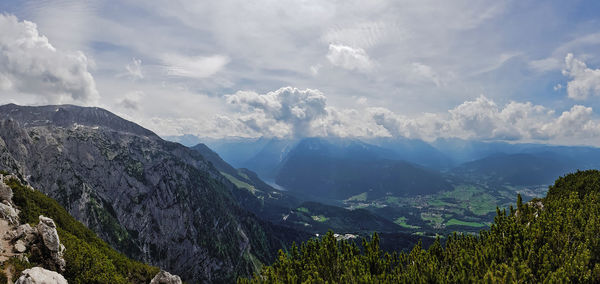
340	169
253	193
87	259
319	218
462	151
415	151
517	169
267	161
236	150
547	240
155	201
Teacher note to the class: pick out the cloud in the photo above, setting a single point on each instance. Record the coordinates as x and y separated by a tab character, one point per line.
483	119
584	82
134	69
349	58
29	64
423	73
287	111
131	100
194	66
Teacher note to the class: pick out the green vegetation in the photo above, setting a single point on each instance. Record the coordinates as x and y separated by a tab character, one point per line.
456	222
302	209
549	240
320	218
16	267
434	219
239	183
89	259
358	197
402	222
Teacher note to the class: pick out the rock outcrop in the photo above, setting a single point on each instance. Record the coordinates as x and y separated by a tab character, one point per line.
164	277
49	247
41	243
38	275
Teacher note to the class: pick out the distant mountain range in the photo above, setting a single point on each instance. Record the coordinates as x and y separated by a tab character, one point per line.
344	168
289	162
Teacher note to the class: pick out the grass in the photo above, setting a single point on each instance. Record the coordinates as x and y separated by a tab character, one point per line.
434	218
456	222
303	209
320	218
358	197
401	221
240	183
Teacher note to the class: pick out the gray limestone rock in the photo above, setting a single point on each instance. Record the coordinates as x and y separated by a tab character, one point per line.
9	213
38	275
47	230
6	192
164	277
20	246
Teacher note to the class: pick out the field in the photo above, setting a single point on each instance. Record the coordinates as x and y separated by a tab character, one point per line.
467	208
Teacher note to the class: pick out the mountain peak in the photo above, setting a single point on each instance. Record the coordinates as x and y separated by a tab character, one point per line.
69	115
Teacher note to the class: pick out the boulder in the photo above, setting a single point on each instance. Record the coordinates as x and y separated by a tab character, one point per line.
26	233
47	230
20	246
38	275
51	244
164	277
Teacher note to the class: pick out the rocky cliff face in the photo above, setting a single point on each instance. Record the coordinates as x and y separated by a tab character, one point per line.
154	200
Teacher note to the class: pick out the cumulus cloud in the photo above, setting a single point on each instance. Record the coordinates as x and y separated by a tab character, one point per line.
584	82
29	64
287	111
349	58
483	119
194	66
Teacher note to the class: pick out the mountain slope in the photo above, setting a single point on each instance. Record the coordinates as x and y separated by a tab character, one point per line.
254	194
89	259
323	169
517	169
154	200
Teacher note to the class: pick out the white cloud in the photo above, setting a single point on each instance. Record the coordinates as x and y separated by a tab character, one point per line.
349	58
287	111
134	69
30	65
194	66
424	73
584	82
483	119
546	64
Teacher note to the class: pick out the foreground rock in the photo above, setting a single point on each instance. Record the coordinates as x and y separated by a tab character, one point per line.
164	277
38	275
50	247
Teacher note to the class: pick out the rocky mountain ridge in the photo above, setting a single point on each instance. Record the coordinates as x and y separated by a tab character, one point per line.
154	200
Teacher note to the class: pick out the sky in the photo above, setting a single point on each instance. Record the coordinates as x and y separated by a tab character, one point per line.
517	71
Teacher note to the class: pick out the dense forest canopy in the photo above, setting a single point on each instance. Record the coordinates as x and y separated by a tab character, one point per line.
554	239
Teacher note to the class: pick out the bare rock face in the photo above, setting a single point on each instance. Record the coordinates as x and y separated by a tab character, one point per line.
38	275
6	192
164	277
9	213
